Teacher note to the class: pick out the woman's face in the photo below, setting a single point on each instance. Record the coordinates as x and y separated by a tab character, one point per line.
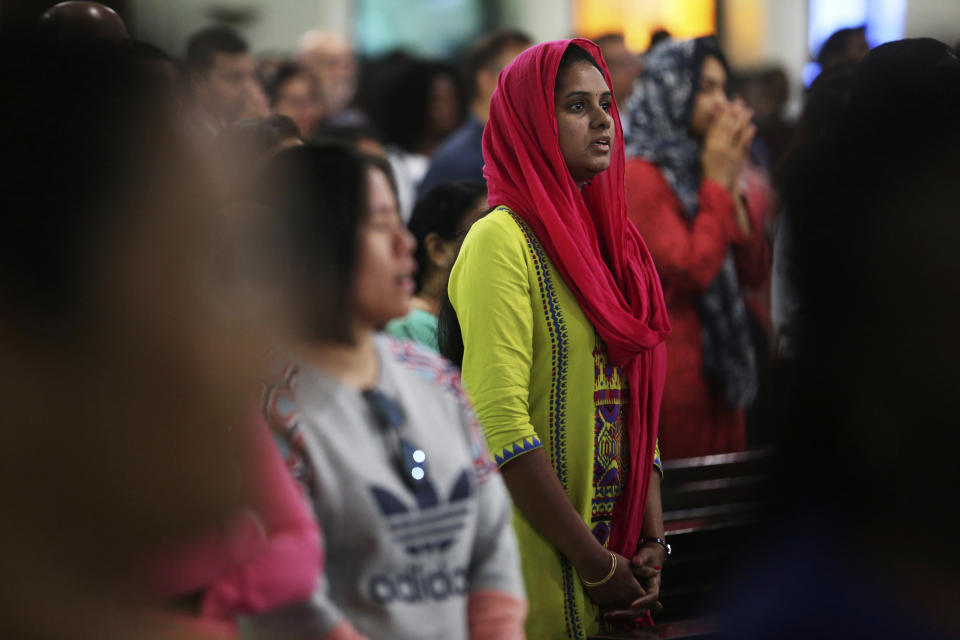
710	99
444	106
383	285
299	99
585	130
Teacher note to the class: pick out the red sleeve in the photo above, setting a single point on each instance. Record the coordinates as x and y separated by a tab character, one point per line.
688	254
286	569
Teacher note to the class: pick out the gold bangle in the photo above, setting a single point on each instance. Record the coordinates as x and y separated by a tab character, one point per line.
613	570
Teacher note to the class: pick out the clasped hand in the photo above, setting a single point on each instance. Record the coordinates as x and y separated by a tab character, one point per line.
634	588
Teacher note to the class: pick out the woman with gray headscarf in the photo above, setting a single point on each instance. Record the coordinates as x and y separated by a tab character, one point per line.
686	148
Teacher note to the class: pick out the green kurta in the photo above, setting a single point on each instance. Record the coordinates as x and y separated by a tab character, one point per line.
538	375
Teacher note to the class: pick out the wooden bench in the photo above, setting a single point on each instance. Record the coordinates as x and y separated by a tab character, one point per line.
711	505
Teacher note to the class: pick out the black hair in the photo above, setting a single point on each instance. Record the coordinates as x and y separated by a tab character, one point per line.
658	36
72	177
837	43
205	44
485	52
707	47
704	47
574	54
322	191
441	211
403	112
449	335
286	72
902	59
376	75
826	101
876	87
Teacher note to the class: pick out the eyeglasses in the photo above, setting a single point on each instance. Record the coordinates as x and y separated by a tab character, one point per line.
410	459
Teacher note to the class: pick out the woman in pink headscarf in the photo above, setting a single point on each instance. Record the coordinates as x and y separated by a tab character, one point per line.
562	321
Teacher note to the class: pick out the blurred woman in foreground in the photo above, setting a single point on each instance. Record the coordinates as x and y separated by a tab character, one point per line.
133	319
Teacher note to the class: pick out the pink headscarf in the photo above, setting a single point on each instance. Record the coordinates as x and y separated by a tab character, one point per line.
597	250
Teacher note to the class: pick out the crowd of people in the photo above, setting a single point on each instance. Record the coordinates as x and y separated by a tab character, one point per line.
310	348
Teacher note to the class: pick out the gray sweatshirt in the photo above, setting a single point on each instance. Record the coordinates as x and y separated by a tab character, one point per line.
399	564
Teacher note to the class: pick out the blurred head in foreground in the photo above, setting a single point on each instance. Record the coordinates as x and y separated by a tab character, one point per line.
868	406
78	21
133	316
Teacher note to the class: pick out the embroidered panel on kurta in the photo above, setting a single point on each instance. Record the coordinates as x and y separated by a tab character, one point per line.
610	458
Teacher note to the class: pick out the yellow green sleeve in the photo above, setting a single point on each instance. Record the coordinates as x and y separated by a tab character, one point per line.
656	460
490	290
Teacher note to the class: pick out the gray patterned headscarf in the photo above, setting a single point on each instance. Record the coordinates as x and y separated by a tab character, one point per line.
659	112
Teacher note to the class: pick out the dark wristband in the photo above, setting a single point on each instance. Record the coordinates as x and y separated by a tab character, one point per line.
659	541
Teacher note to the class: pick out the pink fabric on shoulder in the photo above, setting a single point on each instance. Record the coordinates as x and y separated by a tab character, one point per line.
287	569
267	557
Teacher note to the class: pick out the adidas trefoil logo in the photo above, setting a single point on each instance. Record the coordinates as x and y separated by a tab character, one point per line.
430	525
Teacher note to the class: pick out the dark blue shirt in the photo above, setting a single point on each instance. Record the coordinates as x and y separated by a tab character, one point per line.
815	584
460	157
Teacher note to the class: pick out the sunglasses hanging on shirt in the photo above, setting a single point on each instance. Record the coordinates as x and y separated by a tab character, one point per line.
410	460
